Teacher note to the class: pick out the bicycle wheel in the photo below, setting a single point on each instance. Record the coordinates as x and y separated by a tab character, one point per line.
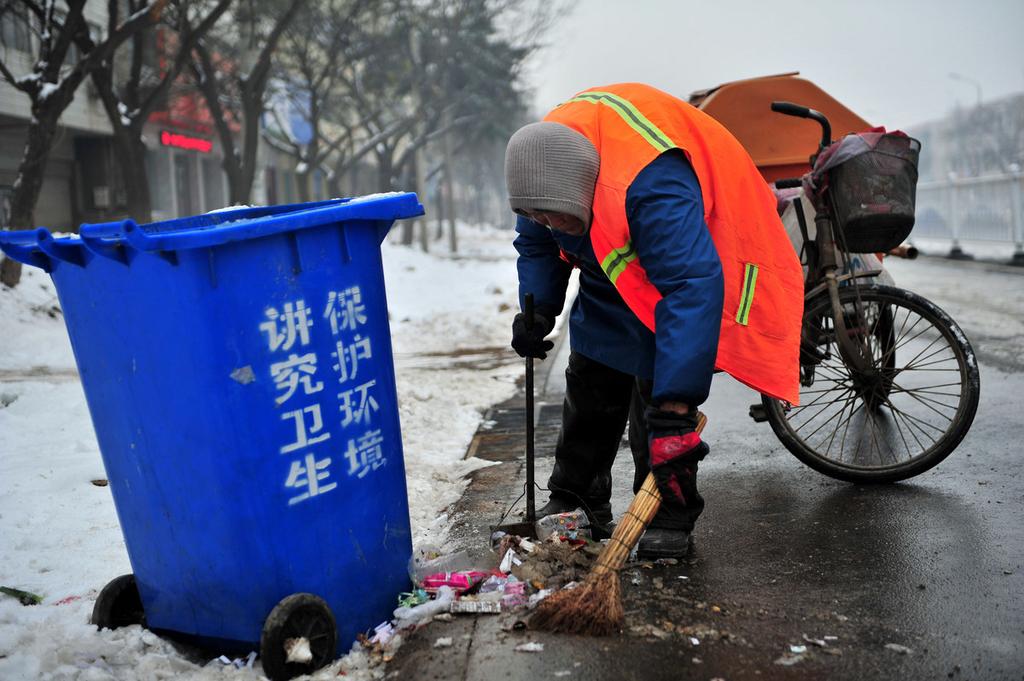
899	418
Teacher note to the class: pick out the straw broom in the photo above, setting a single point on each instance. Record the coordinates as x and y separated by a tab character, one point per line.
595	606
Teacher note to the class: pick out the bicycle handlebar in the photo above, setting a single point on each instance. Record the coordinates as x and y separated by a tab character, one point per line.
791	109
789	183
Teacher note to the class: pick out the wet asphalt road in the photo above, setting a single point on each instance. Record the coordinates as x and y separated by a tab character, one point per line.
919	580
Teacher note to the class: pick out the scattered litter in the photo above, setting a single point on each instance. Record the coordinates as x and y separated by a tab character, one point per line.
667	561
461	607
298	650
789	660
830	639
494	583
563	673
383	633
683	577
634	578
419	614
897	648
515	595
538	597
571	526
510	560
410	599
530	647
694	641
696	660
443	642
715	608
444	616
1007	572
459	581
650	630
100	482
820	642
24	597
68	599
553	563
798	650
428	560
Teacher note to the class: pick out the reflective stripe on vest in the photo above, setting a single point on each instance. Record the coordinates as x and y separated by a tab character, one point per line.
747	298
615	262
629	113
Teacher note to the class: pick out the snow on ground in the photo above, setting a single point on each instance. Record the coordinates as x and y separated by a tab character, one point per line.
59	535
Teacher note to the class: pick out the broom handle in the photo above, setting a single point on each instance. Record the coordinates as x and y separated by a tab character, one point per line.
639	514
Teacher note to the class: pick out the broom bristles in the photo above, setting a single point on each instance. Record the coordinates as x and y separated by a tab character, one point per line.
593	608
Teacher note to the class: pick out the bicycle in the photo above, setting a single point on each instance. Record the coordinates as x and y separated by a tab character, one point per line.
889	383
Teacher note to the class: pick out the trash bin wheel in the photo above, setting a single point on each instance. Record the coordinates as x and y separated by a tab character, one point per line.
119	604
297	616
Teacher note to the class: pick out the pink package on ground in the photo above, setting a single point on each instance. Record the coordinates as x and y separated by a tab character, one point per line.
459	581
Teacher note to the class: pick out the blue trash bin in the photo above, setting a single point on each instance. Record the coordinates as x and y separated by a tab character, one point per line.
238	369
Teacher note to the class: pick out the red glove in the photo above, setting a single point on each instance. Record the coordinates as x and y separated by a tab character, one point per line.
675	448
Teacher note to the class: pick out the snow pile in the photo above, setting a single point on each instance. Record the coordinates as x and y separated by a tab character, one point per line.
59	534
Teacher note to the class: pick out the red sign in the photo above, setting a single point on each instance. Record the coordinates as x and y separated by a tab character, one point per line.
174	139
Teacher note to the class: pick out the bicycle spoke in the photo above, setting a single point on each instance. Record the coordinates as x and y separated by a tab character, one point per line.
914	429
808	421
928	388
920	367
918	392
846	424
926	360
925	349
836	430
915	419
817	400
873	430
922	401
900	431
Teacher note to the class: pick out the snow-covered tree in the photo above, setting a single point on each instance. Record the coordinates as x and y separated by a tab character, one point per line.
232	69
52	82
132	89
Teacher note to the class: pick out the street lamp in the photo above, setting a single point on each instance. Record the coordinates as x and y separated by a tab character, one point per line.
966	79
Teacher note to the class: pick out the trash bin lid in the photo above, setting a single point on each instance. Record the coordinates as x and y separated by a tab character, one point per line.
38	247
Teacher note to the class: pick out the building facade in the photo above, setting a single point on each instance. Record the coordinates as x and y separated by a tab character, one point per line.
83	179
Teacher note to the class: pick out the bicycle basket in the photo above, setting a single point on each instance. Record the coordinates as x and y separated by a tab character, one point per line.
873	194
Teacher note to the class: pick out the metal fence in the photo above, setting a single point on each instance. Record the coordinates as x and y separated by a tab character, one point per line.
977	209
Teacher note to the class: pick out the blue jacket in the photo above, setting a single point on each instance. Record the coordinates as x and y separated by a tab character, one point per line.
666	225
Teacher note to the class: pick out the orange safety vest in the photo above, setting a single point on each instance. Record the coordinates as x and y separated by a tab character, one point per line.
631	124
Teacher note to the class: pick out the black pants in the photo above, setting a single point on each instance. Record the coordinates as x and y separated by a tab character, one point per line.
598	402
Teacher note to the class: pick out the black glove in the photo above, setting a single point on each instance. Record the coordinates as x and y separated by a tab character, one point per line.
530	342
675	448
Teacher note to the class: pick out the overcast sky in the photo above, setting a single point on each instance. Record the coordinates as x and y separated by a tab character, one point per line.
888	61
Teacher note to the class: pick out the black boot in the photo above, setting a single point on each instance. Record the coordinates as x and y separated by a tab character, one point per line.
659	542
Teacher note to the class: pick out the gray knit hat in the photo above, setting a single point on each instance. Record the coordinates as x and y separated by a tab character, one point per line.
551	167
